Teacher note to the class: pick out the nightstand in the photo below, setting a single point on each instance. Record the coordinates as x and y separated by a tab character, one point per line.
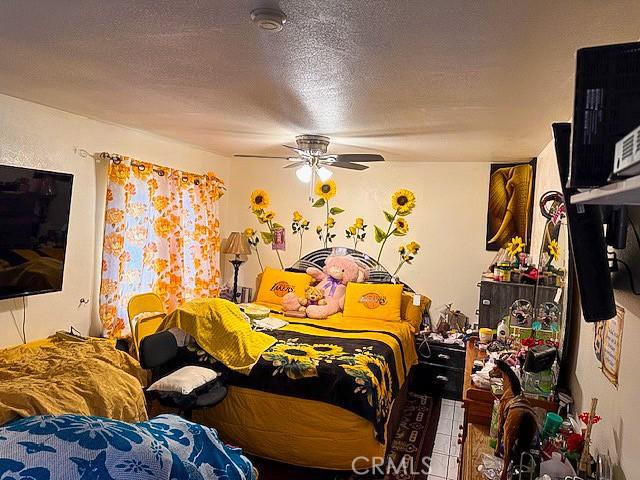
440	369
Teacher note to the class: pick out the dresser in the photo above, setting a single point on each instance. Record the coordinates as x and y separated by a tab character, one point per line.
496	299
440	369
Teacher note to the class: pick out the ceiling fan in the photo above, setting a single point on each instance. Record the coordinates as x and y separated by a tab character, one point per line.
312	159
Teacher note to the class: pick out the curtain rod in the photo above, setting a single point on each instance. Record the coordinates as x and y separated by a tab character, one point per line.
117	158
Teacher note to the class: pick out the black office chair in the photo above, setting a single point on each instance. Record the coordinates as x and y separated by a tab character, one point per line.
160	353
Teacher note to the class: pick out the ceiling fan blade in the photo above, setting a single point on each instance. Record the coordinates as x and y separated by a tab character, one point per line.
359	157
295	164
296	149
347	165
258	156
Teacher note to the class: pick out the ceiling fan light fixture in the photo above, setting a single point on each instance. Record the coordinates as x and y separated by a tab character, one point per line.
304	173
324	173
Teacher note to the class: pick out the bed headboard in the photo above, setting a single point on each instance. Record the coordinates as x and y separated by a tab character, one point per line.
377	273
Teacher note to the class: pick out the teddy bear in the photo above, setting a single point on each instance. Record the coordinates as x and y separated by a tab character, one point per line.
312	296
332	280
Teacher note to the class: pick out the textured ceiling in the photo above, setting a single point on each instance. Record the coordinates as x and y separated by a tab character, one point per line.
414	80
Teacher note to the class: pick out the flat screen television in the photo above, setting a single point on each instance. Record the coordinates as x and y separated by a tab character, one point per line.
34	219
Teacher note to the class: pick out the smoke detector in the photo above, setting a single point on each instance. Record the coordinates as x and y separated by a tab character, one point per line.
269	19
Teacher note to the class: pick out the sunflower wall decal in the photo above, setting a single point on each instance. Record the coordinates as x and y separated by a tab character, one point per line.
402	202
326	191
259	202
407	253
356	232
254	240
299	225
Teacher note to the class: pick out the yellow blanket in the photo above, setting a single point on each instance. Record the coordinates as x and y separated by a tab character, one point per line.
219	328
58	376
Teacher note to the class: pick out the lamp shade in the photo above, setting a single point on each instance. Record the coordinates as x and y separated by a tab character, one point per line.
236	244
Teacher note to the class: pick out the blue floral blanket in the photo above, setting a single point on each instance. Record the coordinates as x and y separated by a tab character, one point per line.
68	447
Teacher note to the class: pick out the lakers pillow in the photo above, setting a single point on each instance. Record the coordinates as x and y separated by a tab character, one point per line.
373	300
275	284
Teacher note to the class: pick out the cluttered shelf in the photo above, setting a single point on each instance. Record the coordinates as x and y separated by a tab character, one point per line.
478	402
559	436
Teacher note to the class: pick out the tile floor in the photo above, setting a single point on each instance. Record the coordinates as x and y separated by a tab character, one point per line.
444	460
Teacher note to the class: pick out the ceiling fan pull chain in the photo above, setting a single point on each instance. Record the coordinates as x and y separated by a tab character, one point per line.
311	184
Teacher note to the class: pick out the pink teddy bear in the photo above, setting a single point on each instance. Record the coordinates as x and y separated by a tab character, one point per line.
338	271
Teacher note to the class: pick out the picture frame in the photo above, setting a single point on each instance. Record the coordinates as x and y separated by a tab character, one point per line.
510	203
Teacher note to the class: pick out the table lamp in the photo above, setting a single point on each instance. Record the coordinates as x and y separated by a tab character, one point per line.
237	244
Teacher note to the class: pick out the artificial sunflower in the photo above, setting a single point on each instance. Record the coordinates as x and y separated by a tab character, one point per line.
326	190
259	200
515	246
268	216
554	250
403	201
402	226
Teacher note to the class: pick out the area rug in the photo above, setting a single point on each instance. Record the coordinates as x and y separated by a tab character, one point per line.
410	451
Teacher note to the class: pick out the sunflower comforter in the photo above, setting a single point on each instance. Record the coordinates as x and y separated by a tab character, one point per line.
57	376
354	364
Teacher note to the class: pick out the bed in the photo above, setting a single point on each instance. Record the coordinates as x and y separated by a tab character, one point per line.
283	412
68	446
340	400
62	374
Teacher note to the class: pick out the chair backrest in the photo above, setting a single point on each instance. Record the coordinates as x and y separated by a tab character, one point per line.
157	349
144	303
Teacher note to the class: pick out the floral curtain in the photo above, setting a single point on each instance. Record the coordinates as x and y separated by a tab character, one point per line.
161	234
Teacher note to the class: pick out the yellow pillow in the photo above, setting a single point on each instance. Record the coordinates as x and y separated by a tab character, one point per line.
413	313
275	284
373	300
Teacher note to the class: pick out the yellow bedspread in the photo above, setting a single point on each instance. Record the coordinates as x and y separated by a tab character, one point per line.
58	376
219	328
308	432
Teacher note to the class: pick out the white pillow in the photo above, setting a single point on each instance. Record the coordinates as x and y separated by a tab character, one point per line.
185	380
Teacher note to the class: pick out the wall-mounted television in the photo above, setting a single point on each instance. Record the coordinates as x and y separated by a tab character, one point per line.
34	219
606	108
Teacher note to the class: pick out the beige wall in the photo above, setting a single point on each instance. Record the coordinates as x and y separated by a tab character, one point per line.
449	220
617	434
35	136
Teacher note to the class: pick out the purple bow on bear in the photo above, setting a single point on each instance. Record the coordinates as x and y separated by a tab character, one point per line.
332	283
